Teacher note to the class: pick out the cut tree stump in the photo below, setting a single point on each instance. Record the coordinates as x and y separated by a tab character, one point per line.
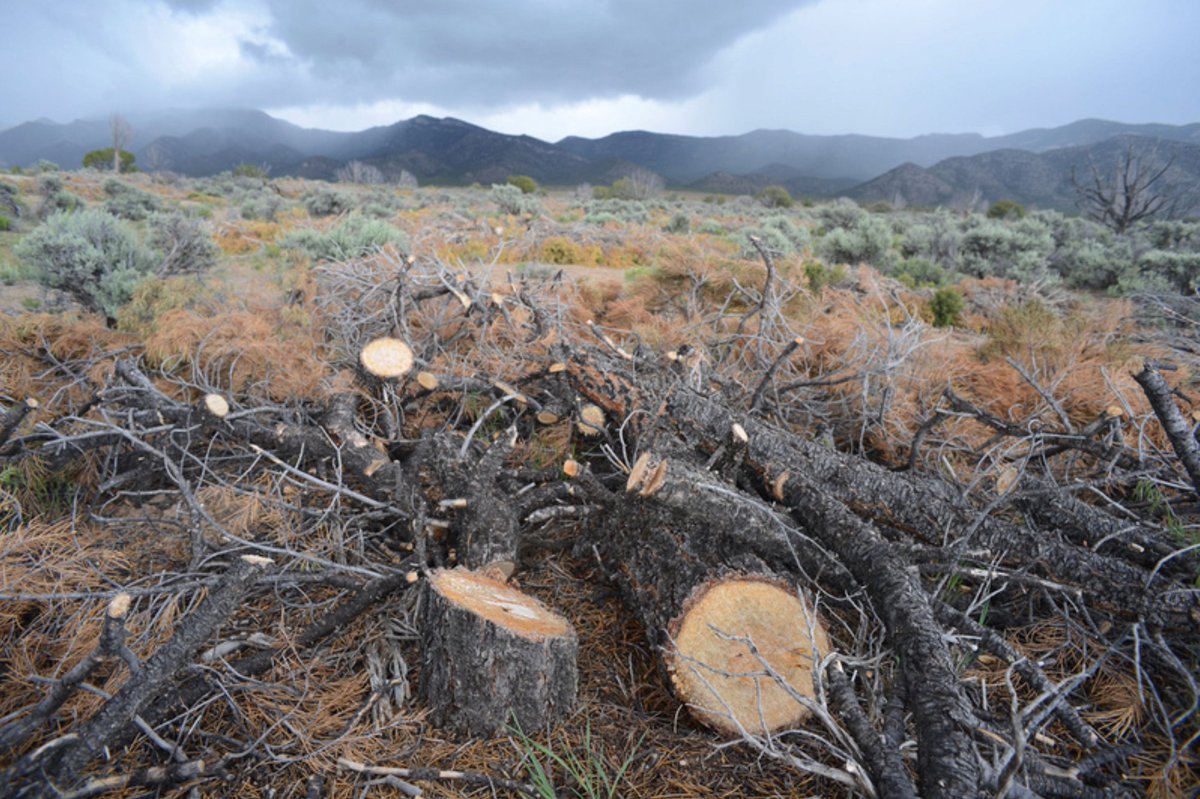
386	359
734	646
493	656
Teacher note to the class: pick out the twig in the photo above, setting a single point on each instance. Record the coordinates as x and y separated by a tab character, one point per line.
439	775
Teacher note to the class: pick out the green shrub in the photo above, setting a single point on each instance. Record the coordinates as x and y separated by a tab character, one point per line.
92	256
678	224
129	202
560	251
327	203
1006	209
154	297
261	205
819	275
183	243
45	166
249	171
920	273
1162	271
63	202
12	271
868	241
775	197
355	237
526	184
50	184
103	160
842	212
511	200
1017	250
599	212
5	224
946	306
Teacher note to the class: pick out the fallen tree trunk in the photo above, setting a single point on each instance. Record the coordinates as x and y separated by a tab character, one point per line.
933	511
737	641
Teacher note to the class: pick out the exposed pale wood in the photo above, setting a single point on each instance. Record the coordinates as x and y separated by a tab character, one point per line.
591	420
386	358
729	633
216	405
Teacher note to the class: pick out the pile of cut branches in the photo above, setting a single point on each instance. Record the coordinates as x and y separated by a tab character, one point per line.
885	628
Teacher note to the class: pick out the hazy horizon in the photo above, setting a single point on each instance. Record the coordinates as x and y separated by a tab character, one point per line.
822	67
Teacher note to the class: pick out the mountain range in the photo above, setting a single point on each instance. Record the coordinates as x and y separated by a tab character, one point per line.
1033	166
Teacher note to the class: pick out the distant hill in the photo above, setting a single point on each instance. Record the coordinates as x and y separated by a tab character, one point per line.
1038	180
687	159
938	169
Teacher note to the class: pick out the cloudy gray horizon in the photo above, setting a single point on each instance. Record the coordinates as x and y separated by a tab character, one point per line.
551	68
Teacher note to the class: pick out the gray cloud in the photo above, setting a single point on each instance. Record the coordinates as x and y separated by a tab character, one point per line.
495	54
553	67
193	6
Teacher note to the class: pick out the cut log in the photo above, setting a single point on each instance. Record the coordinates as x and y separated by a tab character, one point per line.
736	644
700	572
386	359
216	406
591	420
493	656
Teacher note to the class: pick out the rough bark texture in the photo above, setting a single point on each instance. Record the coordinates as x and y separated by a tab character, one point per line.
63	766
933	511
946	762
698	565
1177	429
492	656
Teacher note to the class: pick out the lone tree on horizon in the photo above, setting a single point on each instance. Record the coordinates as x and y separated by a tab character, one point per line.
1134	191
122	134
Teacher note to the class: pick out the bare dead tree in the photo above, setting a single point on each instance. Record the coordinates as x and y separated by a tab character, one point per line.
359	172
407	180
639	184
122	134
1133	192
157	159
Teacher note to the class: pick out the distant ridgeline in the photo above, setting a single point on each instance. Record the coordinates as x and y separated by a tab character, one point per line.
1033	167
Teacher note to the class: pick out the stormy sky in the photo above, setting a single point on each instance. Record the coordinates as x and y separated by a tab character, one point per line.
551	68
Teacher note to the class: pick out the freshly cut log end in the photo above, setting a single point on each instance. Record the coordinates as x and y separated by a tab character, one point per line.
118	606
492	655
216	405
386	358
591	420
714	670
1114	411
427	380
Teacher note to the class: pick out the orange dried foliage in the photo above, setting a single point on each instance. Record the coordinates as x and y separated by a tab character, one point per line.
48	636
32	343
246	236
241	352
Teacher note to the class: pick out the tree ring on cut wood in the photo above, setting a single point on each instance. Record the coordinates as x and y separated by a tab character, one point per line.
386	358
715	671
492	654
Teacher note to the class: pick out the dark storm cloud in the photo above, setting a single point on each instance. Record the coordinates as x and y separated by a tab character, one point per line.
494	54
